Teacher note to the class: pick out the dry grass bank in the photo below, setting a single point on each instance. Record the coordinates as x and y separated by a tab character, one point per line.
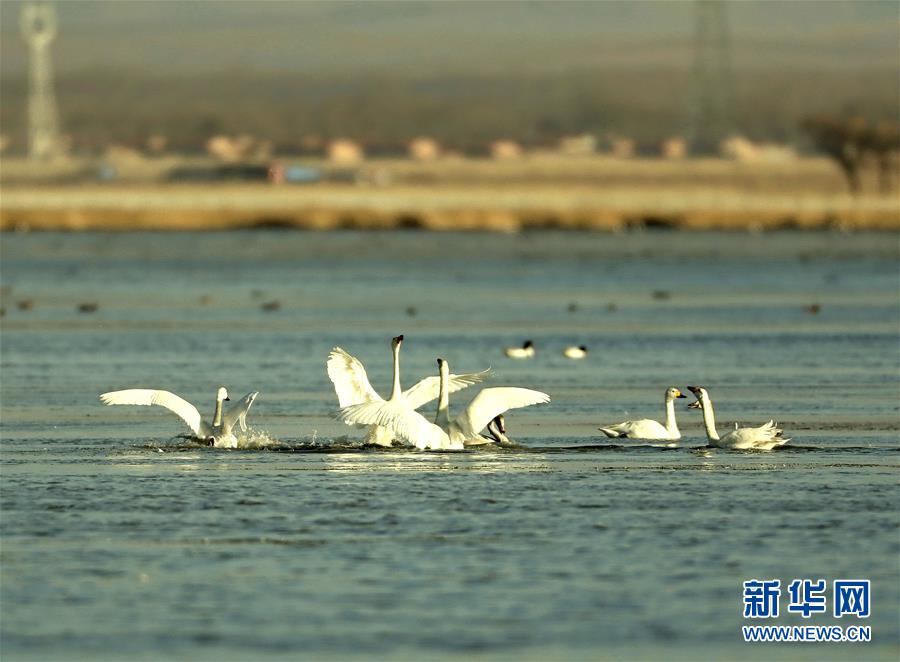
538	192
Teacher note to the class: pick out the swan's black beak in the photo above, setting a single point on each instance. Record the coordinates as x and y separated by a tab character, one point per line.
440	362
229	399
501	423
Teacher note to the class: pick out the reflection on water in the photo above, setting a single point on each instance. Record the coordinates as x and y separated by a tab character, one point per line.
123	538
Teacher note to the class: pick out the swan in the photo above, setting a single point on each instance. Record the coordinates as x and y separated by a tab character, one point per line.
765	437
219	432
444	434
526	351
351	384
574	352
647	428
497	429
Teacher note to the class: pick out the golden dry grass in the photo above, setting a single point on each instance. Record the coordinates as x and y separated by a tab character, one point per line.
536	192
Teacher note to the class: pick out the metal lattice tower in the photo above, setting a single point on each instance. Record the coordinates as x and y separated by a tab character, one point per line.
39	30
712	97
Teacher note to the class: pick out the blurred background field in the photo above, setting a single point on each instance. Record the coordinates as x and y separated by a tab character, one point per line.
538	192
489	115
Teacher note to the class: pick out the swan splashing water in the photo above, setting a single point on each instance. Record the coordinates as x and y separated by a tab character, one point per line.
351	384
220	431
444	433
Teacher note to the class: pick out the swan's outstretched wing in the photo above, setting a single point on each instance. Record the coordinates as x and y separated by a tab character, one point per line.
237	413
494	401
351	384
146	396
399	419
430	388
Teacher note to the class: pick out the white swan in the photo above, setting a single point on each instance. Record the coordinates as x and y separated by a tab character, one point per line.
526	351
647	428
351	384
574	352
765	437
219	432
444	434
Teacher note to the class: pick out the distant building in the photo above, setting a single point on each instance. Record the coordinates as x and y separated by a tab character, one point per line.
424	149
231	149
738	148
505	150
345	152
673	148
621	148
227	148
582	145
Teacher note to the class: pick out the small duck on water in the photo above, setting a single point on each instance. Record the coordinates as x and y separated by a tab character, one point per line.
526	351
574	352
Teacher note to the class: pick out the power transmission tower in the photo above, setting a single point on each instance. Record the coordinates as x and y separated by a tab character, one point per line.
711	85
39	30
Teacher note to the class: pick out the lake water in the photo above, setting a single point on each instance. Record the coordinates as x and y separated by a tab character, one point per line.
122	540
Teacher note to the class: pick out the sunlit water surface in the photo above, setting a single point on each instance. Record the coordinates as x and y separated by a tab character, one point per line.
122	540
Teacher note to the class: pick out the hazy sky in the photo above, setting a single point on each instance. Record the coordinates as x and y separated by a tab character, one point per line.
186	37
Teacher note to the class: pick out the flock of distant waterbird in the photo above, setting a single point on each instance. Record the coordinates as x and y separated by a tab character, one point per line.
395	420
529	351
411	311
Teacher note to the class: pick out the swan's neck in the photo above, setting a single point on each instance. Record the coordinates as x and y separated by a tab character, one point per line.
217	417
671	424
442	419
709	420
395	389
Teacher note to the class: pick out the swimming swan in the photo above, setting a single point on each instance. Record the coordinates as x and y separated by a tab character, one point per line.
351	384
444	434
765	437
220	432
647	428
526	351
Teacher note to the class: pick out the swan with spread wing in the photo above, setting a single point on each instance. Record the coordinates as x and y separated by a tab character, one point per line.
444	434
351	384
220	432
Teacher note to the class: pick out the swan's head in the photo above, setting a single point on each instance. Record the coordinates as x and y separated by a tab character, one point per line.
672	393
222	394
497	429
701	395
396	342
527	345
443	366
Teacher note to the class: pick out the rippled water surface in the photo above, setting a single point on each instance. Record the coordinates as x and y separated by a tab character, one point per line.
122	540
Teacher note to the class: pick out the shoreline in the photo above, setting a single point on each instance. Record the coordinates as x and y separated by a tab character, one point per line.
506	209
541	192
